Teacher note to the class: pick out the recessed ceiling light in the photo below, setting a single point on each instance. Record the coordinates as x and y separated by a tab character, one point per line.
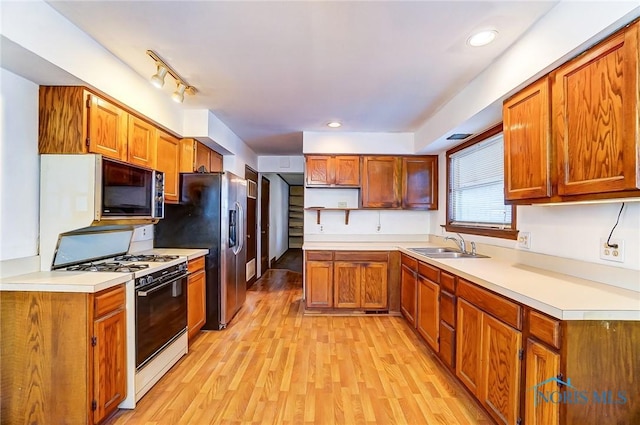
334	124
482	38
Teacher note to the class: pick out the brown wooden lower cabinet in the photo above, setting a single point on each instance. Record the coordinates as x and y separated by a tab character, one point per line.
63	356
196	296
428	317
485	337
541	364
354	280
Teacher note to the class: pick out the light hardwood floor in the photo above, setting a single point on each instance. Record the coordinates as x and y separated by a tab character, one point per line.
275	365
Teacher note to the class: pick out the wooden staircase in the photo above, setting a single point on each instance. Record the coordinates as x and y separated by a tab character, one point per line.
296	216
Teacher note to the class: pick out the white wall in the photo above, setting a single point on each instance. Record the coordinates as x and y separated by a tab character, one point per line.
19	167
278	215
281	164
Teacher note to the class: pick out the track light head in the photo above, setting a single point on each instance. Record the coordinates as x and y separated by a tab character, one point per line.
178	95
158	78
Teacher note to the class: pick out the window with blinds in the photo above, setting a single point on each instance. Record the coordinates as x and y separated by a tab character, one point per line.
476	187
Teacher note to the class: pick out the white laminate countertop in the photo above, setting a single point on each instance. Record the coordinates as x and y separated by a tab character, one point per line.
559	295
182	252
64	281
88	282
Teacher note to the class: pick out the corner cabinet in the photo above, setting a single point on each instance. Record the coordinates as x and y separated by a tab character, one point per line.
356	280
67	364
74	120
196	296
332	170
577	128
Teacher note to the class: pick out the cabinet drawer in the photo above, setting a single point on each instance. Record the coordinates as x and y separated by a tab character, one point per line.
365	256
410	262
499	307
430	272
319	255
545	328
448	282
109	300
447	307
447	344
196	265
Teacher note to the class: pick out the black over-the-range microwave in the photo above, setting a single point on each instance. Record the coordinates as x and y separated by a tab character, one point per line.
129	191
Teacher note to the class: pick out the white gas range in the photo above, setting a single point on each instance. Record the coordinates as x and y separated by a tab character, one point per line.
156	303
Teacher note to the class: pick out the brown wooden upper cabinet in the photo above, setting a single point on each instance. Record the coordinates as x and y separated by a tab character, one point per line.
141	146
595	117
527	143
73	120
196	156
332	170
574	134
400	182
168	161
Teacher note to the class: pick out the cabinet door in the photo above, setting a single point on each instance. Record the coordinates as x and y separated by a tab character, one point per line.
595	117
107	129
141	148
202	157
500	388
428	317
196	299
541	365
319	284
527	140
109	363
347	278
408	288
167	161
447	344
381	182
318	170
468	345
215	162
420	183
374	286
346	170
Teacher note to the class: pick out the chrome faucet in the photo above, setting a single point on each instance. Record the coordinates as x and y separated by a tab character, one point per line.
459	243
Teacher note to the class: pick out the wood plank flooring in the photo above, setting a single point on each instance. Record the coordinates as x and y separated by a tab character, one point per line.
275	365
291	260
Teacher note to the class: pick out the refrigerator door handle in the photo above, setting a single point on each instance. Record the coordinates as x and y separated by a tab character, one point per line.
239	229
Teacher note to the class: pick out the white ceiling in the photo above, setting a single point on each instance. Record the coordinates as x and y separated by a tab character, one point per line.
272	69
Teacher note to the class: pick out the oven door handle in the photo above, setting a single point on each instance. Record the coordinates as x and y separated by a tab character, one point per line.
157	288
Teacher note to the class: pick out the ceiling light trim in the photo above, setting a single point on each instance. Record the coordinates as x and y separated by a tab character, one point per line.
482	37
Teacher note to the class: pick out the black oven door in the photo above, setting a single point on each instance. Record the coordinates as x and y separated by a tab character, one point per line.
161	316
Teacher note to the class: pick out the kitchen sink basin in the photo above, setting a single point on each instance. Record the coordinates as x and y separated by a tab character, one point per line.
445	253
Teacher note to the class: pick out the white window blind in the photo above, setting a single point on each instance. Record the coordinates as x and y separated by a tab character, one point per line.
477	186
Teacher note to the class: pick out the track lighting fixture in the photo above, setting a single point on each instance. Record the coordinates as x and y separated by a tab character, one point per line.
178	95
157	79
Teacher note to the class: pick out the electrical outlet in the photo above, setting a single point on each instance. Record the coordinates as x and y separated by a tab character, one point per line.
612	253
524	240
321	228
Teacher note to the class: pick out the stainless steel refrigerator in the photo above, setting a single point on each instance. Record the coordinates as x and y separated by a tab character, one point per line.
211	214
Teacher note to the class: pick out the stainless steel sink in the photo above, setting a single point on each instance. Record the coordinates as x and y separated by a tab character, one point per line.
445	253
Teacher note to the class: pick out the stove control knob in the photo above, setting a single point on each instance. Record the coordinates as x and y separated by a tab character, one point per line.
149	280
182	267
